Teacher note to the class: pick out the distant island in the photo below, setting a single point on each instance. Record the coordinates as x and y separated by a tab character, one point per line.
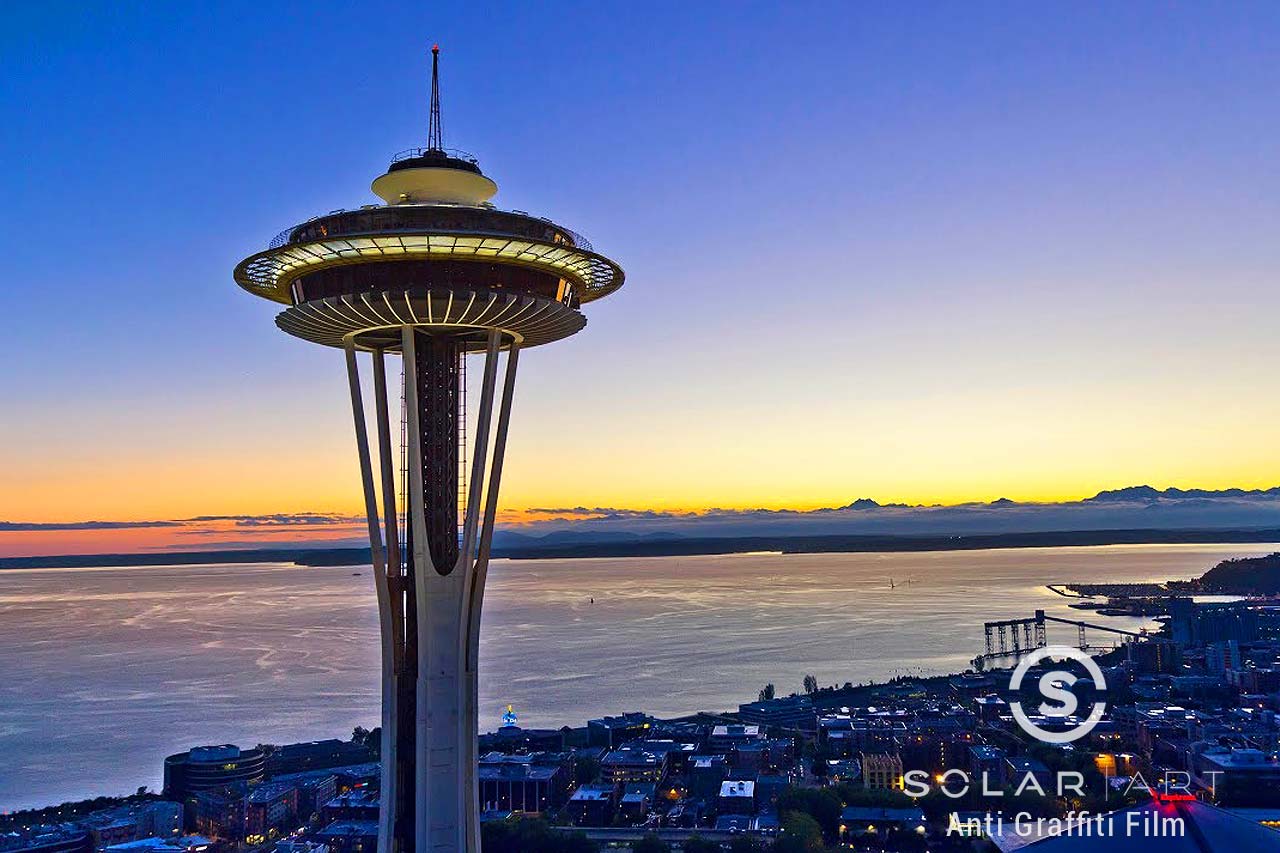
1237	574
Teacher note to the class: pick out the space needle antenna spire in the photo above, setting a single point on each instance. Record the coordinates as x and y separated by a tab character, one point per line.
435	139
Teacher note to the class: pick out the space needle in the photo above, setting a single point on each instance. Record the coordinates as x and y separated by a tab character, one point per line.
435	273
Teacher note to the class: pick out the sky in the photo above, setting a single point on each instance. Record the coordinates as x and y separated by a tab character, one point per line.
924	252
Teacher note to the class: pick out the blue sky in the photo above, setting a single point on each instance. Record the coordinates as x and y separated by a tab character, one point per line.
909	251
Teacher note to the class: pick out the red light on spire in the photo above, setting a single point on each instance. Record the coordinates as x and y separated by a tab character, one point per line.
435	48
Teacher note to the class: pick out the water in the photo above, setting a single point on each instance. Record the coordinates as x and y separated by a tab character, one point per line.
105	671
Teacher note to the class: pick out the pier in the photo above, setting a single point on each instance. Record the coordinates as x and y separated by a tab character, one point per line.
1011	638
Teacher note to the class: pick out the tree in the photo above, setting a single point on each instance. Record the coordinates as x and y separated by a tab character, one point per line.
853	794
370	739
800	834
767	693
810	684
651	844
585	770
906	841
746	844
698	844
531	835
822	805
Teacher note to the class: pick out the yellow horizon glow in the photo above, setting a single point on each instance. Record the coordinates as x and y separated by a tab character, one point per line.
1037	445
346	502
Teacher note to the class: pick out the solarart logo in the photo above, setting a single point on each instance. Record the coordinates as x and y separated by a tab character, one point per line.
1054	685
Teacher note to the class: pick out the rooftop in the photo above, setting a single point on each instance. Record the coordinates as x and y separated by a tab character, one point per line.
1240	759
627	720
592	793
224	752
269	791
736	730
738	788
162	845
354	799
887	815
350	828
516	771
633	756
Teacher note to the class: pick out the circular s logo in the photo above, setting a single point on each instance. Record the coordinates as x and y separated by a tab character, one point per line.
1055	686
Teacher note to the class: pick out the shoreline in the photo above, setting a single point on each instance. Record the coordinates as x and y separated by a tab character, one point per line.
678	547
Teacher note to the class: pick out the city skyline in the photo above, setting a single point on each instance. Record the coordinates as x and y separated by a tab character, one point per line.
927	186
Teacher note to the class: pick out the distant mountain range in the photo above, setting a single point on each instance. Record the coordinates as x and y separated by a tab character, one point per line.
1131	508
1136	514
1147	493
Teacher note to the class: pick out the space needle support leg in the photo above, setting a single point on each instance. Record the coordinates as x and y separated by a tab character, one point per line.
483	421
468	718
392	624
480	569
386	810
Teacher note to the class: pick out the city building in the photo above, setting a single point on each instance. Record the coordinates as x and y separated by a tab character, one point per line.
632	763
865	820
636	800
675	755
792	712
206	767
1224	768
290	845
726	738
315	788
737	797
356	804
516	739
1256	680
1195	624
349	836
612	732
845	735
110	830
1019	767
706	773
180	844
844	769
991	708
934	752
882	770
769	788
60	838
433	274
270	808
592	805
1155	658
531	783
219	814
987	762
317	755
1222	657
156	818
